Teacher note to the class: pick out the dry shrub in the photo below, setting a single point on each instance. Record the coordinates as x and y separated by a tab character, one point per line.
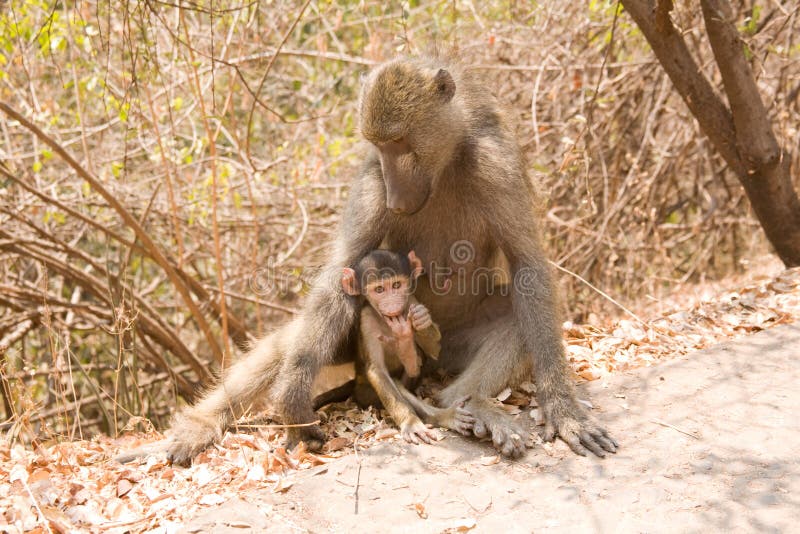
229	134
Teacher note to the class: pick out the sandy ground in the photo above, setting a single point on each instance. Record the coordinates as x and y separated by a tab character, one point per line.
710	442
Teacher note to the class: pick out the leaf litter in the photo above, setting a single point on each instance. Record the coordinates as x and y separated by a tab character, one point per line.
78	487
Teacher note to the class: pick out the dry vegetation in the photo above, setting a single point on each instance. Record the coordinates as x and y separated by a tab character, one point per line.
162	157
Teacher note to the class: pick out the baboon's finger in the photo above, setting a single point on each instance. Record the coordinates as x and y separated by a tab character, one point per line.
575	444
588	441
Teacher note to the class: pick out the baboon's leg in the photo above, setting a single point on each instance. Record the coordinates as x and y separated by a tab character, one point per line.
327	321
339	393
497	359
198	426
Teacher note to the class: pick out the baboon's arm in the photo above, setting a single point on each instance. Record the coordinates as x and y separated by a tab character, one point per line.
329	314
429	339
515	230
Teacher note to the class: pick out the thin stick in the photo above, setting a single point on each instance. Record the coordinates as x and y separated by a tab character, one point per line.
44	520
358	474
298	425
600	291
673	427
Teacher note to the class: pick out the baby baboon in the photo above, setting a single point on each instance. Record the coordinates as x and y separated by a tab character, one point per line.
391	328
443	175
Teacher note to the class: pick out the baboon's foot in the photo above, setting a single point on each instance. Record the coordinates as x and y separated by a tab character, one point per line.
312	435
491	421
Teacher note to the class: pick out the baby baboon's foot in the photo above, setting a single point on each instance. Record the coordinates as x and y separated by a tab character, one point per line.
457	417
415	431
508	436
312	435
189	436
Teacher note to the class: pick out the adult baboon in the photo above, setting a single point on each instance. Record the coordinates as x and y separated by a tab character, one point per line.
443	176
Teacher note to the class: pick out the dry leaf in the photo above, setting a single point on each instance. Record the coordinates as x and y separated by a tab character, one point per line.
536	415
463	525
211	499
489	460
256	473
283	485
123	487
337	443
420	509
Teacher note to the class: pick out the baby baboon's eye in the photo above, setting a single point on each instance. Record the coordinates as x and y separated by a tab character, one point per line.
396	285
378	289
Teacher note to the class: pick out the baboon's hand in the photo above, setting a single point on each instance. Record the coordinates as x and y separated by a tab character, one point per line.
419	316
415	431
190	436
401	328
568	419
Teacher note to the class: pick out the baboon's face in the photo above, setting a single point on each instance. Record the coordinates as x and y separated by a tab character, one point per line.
406	114
407	185
389	296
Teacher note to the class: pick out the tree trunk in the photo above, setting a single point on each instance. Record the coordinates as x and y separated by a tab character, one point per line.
741	133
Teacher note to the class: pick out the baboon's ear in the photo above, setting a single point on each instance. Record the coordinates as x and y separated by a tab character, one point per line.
349	282
416	265
445	85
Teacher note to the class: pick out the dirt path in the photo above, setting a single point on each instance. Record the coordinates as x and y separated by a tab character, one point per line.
710	442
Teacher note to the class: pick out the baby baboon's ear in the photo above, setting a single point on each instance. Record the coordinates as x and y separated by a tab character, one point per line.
445	85
349	282
416	265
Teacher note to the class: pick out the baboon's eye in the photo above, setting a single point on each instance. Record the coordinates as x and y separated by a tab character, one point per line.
398	140
396	285
378	289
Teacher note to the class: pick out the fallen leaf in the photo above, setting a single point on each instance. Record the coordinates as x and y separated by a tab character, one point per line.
256	473
489	460
211	499
283	485
123	487
337	443
503	395
463	525
420	509
536	415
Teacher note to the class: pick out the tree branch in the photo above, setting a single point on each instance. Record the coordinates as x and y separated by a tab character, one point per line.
130	220
705	104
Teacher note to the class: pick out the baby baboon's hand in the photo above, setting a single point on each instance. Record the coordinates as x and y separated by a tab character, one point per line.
401	328
419	316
